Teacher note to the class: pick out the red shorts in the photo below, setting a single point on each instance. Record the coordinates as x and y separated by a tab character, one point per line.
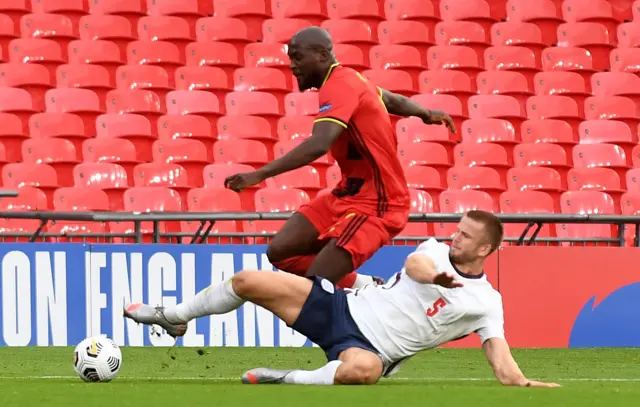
357	228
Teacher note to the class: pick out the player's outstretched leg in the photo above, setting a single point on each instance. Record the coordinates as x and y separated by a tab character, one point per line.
355	366
281	293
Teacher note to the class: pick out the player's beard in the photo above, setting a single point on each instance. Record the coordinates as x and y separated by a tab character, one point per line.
309	82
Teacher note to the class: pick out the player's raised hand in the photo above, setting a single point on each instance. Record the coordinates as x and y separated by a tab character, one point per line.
533	383
238	182
439	117
446	280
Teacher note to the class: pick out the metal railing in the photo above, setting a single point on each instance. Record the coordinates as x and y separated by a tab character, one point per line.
532	225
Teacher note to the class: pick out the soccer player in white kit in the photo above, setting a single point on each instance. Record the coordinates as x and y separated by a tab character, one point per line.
440	295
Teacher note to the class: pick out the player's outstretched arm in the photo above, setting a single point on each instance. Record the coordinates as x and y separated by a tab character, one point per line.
505	367
422	269
403	106
324	135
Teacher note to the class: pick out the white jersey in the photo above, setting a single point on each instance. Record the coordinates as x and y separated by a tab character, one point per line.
404	317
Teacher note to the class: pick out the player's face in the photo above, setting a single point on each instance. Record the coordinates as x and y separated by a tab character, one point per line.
470	242
305	66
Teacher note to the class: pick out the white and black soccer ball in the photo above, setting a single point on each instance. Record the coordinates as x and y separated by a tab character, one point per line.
97	359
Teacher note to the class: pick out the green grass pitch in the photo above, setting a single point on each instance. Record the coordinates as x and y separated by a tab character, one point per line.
208	377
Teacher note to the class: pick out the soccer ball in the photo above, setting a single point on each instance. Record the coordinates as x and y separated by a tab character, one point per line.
97	359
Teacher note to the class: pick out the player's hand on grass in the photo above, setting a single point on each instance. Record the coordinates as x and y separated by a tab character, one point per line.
439	117
238	182
533	383
446	280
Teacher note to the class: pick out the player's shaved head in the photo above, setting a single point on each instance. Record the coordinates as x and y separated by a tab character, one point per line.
311	54
312	37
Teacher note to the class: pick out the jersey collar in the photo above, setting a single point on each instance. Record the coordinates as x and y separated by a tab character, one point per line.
331	69
465	275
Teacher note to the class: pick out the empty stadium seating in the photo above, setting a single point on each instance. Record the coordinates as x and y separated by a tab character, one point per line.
171	97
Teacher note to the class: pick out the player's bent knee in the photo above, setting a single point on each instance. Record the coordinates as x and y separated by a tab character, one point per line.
351	373
243	284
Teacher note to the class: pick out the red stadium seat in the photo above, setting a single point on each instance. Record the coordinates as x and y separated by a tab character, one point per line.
456	57
137	101
252	12
563	83
449	82
305	178
8	33
215	174
367	11
617	84
412	33
542	179
98	52
159	53
313	11
527	202
632	180
497	107
507	83
85	76
72	199
225	30
572	59
393	80
351	56
402	57
261	55
463	33
116	29
218	54
57	152
601	155
461	201
12	134
625	60
108	177
428	154
609	131
478	178
41	176
150	199
422	11
302	104
204	78
352	32
555	107
293	127
147	77
628	35
56	27
586	203
483	154
19	103
28	199
81	102
477	11
156	174
198	102
213	200
112	150
133	127
333	177
496	131
190	154
253	103
64	125
279	200
597	11
549	131
280	30
514	33
543	155
188	11
42	51
542	13
33	78
131	10
427	179
512	58
250	152
15	10
593	37
248	127
421	202
414	130
187	126
597	179
262	80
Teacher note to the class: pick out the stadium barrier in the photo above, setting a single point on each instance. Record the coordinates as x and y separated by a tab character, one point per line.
57	294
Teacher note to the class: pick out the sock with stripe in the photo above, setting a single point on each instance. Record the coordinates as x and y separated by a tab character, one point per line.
215	299
323	376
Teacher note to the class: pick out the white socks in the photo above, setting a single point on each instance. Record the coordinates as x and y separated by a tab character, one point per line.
323	376
215	299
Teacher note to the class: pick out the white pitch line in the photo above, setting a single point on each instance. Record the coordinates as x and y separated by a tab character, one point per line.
398	379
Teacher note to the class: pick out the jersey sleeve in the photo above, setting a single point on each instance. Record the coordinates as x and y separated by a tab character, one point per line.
338	101
430	248
492	325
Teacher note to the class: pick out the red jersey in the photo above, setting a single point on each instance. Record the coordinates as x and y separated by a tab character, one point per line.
367	149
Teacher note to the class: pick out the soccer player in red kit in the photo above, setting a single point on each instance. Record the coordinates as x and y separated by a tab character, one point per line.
336	233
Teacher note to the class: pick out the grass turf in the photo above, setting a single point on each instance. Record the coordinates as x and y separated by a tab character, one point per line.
210	377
